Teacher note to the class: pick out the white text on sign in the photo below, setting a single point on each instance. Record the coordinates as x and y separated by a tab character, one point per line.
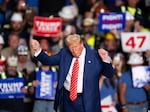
46	26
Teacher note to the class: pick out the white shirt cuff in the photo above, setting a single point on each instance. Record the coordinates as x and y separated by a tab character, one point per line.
37	53
108	61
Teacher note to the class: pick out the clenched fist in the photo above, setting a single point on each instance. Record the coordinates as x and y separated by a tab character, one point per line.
34	46
104	55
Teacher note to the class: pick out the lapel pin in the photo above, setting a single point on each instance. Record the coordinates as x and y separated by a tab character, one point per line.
89	61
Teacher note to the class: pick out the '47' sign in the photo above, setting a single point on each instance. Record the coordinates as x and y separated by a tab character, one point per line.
139	41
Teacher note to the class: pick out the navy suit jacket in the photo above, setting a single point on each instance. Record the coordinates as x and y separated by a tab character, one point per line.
93	69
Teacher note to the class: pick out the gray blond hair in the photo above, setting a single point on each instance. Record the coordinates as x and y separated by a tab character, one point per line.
72	38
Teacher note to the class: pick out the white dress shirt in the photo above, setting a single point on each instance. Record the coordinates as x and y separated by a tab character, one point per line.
67	82
37	53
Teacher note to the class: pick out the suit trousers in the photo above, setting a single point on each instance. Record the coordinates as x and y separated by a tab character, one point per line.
73	106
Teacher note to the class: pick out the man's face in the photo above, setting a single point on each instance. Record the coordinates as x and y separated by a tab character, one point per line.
88	29
12	70
13	42
16	26
76	48
132	3
111	44
22	58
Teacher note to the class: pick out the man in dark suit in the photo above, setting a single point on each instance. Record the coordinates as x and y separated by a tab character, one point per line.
91	65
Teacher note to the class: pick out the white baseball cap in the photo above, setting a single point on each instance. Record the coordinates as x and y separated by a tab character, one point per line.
88	21
12	61
17	17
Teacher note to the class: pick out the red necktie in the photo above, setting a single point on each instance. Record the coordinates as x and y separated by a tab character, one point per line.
74	80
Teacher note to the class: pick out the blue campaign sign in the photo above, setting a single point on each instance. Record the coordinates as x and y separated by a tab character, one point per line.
46	89
11	88
140	76
110	21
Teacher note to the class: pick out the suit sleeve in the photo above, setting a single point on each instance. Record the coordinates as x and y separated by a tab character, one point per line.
48	60
108	70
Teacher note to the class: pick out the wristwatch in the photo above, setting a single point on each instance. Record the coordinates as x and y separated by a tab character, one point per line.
124	106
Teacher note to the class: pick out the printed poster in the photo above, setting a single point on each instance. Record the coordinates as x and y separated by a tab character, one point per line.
140	76
135	41
47	27
47	88
11	88
110	21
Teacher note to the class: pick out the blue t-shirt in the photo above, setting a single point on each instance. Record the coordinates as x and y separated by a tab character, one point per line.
106	91
132	94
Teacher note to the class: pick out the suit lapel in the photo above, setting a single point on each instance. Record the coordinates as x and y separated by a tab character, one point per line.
88	61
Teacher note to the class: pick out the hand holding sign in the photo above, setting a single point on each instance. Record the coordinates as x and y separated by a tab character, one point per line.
35	83
147	87
25	90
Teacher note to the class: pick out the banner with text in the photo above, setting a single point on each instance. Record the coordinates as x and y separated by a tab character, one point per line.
135	41
47	27
11	88
110	21
47	88
141	76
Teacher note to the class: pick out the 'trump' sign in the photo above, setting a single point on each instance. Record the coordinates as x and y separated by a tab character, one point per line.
11	88
47	26
46	88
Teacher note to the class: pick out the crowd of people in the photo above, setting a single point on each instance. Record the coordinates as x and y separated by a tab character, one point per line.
117	94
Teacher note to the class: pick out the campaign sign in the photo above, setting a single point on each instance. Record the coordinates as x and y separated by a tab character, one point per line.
140	76
110	21
46	89
11	88
135	41
47	27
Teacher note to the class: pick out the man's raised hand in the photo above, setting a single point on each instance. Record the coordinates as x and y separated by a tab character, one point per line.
34	46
